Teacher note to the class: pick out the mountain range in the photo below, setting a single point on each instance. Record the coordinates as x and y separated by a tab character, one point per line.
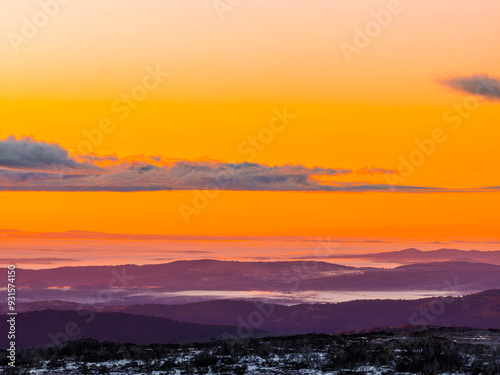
150	283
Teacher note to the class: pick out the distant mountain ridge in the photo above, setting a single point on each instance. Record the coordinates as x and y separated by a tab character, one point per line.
148	283
413	255
182	275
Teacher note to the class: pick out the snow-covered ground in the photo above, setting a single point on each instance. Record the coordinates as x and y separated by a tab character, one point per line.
440	352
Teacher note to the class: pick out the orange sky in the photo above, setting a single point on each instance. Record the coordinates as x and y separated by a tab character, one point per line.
226	78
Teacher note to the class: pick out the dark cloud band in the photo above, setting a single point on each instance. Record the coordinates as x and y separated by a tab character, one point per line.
30	165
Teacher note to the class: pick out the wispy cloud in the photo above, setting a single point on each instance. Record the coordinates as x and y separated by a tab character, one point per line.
481	85
373	170
35	260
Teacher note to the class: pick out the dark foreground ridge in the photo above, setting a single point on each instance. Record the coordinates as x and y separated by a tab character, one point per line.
49	327
404	351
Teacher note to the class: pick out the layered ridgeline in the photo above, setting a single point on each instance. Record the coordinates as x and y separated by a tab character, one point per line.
156	323
135	303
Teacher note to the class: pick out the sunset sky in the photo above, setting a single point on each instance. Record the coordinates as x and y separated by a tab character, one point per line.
179	118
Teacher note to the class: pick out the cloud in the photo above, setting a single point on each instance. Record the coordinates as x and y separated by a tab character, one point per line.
28	154
484	86
30	165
